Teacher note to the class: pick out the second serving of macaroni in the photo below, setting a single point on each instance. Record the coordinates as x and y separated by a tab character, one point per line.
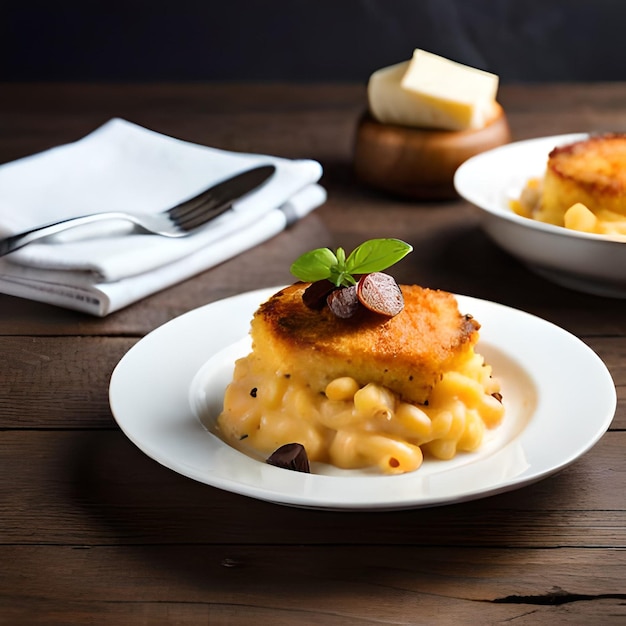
579	217
583	188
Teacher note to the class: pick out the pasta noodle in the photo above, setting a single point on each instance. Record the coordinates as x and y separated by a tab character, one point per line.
354	427
578	217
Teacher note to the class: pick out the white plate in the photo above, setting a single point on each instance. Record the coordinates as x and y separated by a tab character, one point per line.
558	394
582	261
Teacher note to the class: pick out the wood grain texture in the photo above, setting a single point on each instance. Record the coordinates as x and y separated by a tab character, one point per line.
95	532
95	487
316	585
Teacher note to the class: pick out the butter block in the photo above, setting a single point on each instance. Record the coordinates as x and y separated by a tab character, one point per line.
389	103
430	91
464	92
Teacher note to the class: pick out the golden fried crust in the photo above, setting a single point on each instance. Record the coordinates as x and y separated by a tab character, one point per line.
591	171
406	353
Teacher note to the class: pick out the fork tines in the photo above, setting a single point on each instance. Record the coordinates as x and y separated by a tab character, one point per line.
197	211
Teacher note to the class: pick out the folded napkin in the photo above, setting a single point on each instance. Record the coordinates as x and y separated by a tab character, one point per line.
103	267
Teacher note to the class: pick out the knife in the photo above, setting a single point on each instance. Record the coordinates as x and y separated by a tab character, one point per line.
178	221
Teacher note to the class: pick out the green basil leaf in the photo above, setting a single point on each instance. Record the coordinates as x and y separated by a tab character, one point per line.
340	278
314	265
376	255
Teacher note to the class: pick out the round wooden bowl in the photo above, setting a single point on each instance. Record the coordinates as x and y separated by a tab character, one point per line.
420	163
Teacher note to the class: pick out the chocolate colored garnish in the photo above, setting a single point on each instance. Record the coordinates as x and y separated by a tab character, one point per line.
314	296
343	302
380	293
291	456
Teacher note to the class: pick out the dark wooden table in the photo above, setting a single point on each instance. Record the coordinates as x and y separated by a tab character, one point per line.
92	531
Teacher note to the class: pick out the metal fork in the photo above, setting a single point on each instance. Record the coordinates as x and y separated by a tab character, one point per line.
178	221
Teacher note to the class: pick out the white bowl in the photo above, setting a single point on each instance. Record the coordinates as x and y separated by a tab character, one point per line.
585	262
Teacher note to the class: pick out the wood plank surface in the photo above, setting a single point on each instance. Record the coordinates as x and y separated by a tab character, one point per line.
93	531
82	487
316	585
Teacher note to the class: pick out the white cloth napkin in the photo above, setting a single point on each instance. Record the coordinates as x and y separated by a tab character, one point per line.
101	268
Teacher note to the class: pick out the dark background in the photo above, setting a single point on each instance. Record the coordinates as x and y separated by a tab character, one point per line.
307	40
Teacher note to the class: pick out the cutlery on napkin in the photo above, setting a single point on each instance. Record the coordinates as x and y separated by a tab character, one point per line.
101	268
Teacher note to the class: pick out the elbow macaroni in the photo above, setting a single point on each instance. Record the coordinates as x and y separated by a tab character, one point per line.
578	217
350	426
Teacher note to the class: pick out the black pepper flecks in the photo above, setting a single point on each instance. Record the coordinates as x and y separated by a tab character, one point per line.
253	392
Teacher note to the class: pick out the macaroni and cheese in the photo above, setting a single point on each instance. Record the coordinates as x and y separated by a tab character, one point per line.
354	418
583	188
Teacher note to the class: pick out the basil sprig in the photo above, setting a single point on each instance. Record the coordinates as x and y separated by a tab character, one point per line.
374	255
